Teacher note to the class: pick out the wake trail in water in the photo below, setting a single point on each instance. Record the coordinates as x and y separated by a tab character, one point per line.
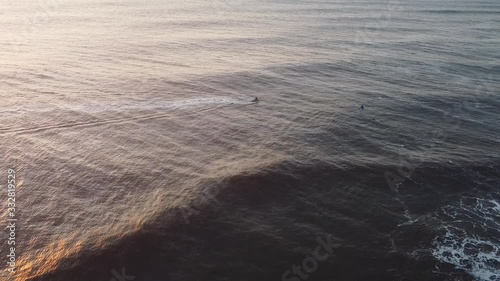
215	103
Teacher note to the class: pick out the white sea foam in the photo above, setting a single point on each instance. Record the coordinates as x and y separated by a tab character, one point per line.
469	241
158	104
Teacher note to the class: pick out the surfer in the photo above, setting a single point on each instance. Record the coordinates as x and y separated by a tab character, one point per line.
362	108
255	99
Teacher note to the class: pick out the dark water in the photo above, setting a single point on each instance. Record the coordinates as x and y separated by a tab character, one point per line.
139	155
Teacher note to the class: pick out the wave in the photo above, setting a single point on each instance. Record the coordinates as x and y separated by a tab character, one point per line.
282	210
474	247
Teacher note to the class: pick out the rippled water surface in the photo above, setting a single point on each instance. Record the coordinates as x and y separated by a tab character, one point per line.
137	149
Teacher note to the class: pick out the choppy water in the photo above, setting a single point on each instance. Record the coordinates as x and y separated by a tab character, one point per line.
137	149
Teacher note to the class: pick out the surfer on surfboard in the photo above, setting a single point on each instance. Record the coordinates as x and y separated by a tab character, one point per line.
255	99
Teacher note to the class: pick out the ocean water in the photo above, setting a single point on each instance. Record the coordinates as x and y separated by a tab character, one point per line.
138	154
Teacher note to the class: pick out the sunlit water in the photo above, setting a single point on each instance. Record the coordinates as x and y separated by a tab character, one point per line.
136	145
